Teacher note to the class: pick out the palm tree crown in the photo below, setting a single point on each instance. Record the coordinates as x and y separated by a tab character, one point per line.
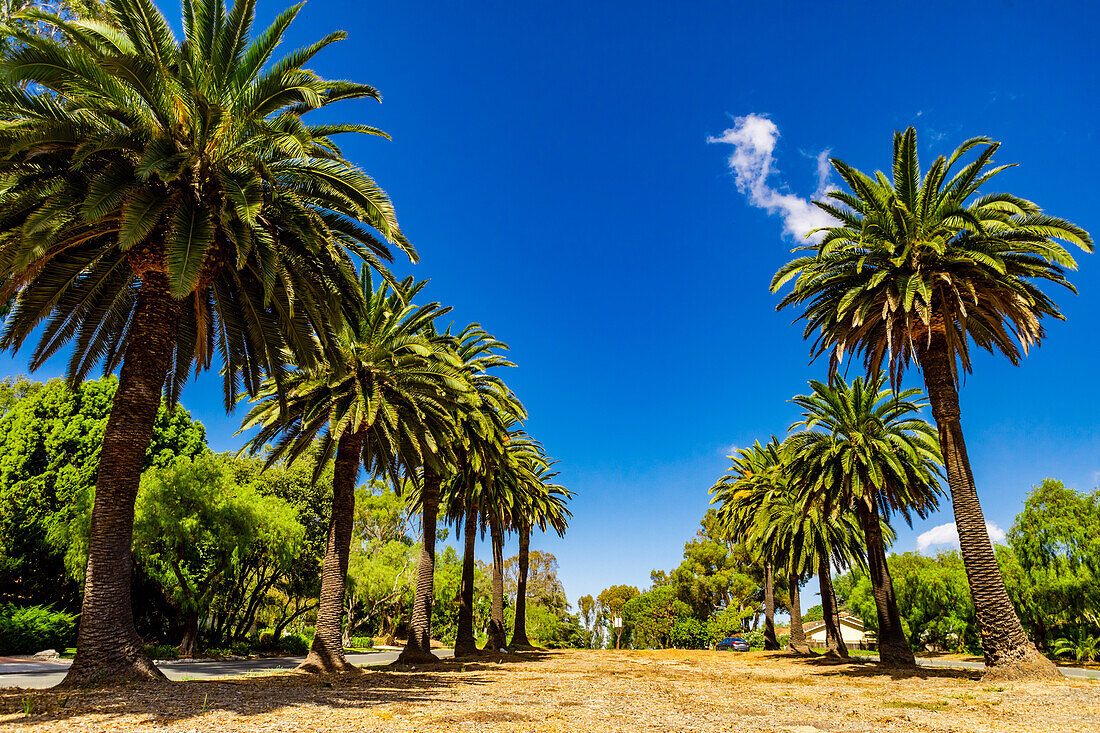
132	159
912	256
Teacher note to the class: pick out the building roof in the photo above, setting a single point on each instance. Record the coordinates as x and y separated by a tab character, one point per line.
845	619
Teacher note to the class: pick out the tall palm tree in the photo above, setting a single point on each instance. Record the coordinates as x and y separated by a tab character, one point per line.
777	533
758	475
479	448
160	201
542	505
914	270
863	447
386	404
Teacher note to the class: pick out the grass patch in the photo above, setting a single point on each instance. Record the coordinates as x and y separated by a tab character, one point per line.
993	688
936	705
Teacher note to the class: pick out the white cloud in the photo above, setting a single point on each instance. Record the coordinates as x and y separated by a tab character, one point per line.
753	138
948	535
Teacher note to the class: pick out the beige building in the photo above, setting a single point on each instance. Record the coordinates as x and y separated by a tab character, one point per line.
851	629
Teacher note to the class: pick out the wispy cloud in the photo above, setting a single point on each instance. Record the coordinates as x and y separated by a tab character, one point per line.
947	535
753	138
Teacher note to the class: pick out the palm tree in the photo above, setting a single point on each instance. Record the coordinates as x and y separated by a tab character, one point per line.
479	449
777	533
542	506
386	404
757	476
163	200
863	447
825	537
914	270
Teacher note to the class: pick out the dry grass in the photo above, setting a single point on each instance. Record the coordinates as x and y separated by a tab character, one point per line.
578	691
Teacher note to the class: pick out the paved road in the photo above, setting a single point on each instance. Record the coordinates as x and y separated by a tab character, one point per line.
1071	672
47	674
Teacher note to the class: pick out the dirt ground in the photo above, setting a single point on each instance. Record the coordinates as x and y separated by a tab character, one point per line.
578	691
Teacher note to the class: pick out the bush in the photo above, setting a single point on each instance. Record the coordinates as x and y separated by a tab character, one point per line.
162	651
240	648
265	641
362	642
293	644
34	629
755	640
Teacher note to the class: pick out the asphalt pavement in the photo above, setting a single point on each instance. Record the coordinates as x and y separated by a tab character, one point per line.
31	673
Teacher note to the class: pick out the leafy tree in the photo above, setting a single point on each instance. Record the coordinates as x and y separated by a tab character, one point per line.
50	439
915	269
612	604
862	447
659	619
1056	543
935	607
193	522
163	201
586	605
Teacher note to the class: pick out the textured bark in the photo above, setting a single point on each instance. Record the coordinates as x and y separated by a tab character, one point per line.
465	643
189	644
1008	652
770	640
798	637
519	630
326	653
892	645
109	649
418	649
498	638
834	637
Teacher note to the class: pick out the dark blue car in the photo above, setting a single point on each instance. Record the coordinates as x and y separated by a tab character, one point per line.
733	644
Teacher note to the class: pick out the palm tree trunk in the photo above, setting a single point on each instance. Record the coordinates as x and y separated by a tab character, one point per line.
770	641
519	629
109	649
465	643
498	637
326	653
1008	652
418	649
834	637
892	645
798	637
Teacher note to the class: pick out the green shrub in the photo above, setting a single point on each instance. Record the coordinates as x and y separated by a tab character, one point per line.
362	642
293	644
240	648
218	652
265	640
755	640
35	628
162	651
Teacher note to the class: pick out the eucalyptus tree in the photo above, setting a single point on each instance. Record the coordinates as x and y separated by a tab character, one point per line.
863	447
162	201
479	449
914	271
758	475
386	403
542	505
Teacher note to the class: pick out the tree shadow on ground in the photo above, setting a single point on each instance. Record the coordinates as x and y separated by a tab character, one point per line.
163	703
829	665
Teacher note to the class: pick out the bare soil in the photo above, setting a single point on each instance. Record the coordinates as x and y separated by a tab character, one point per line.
578	691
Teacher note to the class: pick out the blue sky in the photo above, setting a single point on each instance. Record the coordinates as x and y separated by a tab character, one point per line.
552	166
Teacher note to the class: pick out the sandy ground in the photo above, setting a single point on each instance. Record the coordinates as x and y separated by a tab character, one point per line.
578	691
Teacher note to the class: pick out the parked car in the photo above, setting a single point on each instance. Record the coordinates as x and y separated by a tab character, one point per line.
733	644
